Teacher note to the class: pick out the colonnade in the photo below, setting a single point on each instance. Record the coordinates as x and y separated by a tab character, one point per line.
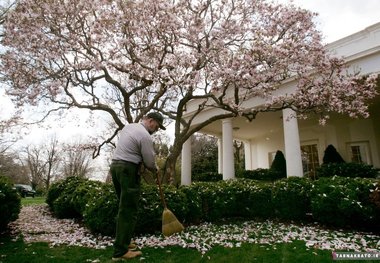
226	150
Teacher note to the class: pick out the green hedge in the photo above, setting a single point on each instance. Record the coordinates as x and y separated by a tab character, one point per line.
207	177
291	198
61	197
346	202
101	209
231	198
261	174
343	202
10	203
351	170
96	203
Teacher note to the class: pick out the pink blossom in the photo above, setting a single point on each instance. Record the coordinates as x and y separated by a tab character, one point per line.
36	224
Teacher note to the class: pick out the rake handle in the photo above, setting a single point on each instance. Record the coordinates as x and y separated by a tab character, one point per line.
161	192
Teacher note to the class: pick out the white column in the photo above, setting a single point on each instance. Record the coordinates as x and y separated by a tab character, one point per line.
228	150
186	163
292	144
248	155
220	156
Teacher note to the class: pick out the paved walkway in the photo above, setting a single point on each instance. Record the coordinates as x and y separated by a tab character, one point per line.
36	224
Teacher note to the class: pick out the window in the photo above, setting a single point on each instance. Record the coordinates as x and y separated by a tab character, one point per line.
358	152
310	160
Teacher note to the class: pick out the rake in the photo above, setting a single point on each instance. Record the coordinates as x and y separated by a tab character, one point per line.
170	223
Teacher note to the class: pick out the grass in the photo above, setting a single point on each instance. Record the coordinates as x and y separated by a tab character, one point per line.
19	252
33	200
16	251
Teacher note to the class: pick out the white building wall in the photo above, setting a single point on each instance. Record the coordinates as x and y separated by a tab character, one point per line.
341	132
336	132
254	154
363	131
262	147
322	136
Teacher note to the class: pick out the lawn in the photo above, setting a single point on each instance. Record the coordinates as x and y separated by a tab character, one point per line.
33	200
247	241
19	252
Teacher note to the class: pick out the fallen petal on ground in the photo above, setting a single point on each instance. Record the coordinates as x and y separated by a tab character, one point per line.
37	224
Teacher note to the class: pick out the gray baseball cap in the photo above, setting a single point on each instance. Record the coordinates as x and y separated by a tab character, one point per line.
157	117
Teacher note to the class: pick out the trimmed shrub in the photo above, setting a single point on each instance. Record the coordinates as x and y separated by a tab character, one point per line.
207	177
254	199
176	201
291	198
151	207
331	155
333	201
218	200
10	203
61	199
233	198
101	210
345	202
212	199
194	203
375	197
347	170
93	201
55	190
279	165
228	201
150	212
83	193
261	174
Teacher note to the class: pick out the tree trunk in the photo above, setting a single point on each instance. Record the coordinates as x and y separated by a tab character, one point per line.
170	164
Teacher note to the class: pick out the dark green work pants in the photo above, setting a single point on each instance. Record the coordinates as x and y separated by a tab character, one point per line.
126	180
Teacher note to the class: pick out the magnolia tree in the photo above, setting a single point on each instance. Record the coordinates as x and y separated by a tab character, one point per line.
126	58
5	6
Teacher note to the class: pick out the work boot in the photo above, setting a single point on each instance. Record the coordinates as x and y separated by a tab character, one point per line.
129	255
132	246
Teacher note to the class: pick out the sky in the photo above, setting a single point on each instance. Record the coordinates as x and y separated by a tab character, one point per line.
336	19
340	18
